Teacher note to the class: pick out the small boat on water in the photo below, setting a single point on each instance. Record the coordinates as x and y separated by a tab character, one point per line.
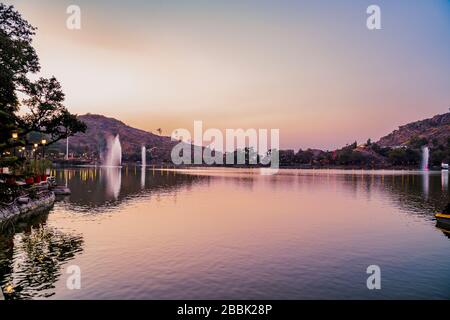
58	190
443	219
61	191
444	166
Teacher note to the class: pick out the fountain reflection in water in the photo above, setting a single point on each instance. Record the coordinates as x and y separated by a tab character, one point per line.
425	173
444	179
143	177
114	152
425	184
113	181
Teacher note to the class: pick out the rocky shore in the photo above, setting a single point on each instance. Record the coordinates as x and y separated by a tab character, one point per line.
25	205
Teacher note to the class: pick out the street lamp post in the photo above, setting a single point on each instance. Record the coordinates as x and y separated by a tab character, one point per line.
35	149
15	136
44	142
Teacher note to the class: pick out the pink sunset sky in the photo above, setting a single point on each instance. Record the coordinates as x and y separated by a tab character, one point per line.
310	68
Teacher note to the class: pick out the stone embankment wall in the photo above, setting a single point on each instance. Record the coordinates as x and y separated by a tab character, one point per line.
19	208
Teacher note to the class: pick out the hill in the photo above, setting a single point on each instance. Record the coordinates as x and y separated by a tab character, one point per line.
435	132
100	128
434	129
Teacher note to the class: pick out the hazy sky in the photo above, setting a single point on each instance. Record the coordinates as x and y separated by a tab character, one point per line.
310	68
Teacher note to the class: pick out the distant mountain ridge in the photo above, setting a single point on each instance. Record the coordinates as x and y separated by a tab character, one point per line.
100	128
437	127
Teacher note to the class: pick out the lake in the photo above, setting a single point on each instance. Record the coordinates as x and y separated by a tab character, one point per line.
233	234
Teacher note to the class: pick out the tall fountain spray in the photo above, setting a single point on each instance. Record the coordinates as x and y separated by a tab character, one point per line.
114	155
425	158
144	156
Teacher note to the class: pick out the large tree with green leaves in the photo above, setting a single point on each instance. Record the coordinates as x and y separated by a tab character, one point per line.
42	106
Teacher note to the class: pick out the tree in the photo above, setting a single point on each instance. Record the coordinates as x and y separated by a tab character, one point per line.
438	156
44	98
404	156
383	151
304	157
17	58
417	142
435	142
47	113
287	157
159	130
412	157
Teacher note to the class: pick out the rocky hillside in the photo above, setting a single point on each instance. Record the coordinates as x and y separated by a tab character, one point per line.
437	128
100	128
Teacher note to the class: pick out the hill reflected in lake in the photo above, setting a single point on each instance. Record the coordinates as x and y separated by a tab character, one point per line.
232	233
95	189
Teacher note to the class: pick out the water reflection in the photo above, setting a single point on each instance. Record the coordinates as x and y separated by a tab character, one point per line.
113	181
236	234
444	229
32	255
418	193
143	174
96	189
444	180
426	183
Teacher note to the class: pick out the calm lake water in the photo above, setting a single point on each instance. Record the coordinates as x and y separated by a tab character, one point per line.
233	234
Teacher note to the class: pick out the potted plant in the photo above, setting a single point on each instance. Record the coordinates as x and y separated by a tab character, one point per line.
28	172
36	171
40	167
15	170
11	180
44	166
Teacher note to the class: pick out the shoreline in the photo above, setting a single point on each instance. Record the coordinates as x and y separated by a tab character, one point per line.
165	166
16	210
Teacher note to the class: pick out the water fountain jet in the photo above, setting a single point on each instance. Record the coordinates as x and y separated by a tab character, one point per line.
144	156
114	153
425	158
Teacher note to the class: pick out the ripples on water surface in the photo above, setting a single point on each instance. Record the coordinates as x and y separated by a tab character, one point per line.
225	233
